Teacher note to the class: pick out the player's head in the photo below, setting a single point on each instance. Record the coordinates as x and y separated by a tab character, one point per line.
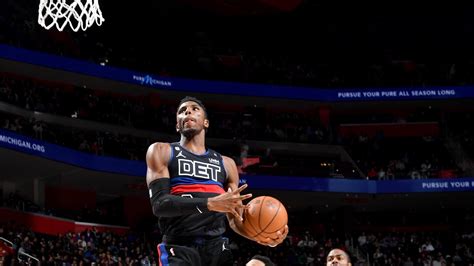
259	260
191	117
338	257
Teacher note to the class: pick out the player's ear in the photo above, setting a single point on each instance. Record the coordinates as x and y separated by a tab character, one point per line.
177	126
206	123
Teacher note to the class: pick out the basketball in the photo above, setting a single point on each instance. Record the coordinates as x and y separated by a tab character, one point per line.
264	216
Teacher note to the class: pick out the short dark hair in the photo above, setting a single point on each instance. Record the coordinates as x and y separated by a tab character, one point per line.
265	260
348	253
193	99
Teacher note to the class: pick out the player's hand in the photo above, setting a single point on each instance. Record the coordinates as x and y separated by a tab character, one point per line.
230	201
273	242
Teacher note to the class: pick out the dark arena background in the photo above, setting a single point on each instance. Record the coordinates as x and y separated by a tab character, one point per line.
358	117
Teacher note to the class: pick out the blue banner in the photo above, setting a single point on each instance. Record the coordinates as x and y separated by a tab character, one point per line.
53	152
233	88
359	186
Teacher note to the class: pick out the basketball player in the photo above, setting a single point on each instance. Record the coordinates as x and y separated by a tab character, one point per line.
192	190
338	257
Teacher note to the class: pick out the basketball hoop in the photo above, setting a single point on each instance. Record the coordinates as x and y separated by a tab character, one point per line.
79	14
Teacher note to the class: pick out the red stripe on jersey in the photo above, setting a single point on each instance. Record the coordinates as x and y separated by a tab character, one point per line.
179	189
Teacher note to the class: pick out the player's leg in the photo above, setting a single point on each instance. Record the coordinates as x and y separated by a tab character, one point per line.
174	255
217	253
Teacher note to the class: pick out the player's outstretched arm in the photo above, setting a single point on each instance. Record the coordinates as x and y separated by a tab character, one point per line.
166	205
235	218
235	221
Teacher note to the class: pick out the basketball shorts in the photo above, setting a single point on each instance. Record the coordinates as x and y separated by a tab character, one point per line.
194	252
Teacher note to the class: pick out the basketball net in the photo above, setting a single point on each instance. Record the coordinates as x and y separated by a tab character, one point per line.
80	14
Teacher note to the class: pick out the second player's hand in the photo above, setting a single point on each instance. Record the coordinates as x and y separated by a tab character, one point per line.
230	202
